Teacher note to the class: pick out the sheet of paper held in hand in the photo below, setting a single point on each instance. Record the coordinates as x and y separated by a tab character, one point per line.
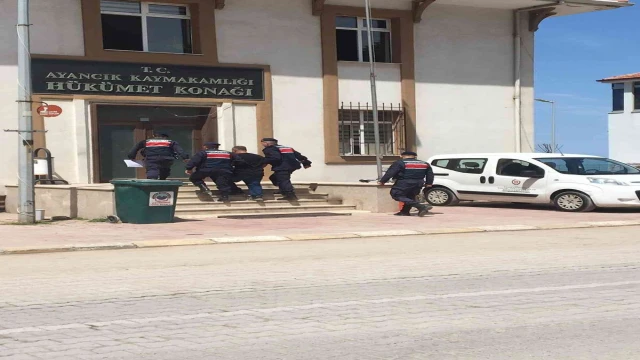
134	163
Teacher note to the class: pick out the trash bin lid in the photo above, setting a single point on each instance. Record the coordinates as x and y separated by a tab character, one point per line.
147	182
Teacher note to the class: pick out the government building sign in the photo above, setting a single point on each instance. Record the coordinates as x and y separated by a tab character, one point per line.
132	79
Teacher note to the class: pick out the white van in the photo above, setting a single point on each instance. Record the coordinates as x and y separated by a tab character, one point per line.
570	182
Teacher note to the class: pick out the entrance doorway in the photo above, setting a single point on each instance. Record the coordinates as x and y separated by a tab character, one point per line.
120	127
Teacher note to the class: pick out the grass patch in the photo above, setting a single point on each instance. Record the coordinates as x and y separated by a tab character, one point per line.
26	224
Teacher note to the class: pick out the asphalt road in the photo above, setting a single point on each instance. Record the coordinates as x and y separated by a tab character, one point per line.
566	294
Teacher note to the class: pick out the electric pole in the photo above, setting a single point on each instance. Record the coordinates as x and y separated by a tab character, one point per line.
26	191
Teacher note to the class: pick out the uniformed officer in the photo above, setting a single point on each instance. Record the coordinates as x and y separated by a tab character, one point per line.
159	153
411	175
215	164
284	161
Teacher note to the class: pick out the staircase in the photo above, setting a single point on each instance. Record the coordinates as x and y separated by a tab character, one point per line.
192	203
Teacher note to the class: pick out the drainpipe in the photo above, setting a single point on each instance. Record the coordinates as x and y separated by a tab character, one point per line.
517	94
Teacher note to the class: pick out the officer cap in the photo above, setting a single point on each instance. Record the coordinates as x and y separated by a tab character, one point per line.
409	153
211	144
270	139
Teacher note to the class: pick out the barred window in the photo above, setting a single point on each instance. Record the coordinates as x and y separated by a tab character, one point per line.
357	129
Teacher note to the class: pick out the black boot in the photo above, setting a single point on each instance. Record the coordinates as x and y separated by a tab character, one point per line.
288	197
406	211
223	198
205	189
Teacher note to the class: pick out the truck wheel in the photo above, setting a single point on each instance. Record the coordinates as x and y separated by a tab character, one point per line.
573	201
439	196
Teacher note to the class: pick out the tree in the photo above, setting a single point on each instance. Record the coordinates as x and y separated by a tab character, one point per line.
548	148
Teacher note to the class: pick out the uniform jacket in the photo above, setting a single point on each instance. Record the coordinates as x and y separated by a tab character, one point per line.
409	169
212	160
284	158
158	149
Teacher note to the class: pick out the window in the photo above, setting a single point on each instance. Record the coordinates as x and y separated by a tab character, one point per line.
137	26
636	96
589	166
618	97
442	163
357	130
513	167
353	42
467	166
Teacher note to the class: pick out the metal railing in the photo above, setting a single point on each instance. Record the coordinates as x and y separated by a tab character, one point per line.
356	129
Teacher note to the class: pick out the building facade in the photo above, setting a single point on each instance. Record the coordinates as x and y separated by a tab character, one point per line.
624	118
452	76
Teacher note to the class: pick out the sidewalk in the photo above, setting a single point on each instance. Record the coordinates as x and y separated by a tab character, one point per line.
84	235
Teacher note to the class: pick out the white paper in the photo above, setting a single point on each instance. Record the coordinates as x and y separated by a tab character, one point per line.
134	163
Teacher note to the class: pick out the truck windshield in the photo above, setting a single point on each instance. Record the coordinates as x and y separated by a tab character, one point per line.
588	166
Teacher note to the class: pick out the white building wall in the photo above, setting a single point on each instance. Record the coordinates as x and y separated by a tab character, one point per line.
465	83
285	35
56	29
464	78
354	83
624	130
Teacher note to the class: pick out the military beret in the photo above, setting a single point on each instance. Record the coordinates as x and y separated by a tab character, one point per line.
162	134
269	139
409	153
211	144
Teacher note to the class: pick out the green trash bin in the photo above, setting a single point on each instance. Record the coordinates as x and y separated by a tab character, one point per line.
146	201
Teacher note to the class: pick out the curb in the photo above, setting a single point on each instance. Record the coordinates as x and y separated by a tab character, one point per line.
306	237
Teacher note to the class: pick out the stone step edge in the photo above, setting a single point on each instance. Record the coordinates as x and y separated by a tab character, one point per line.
307	237
258	207
254	202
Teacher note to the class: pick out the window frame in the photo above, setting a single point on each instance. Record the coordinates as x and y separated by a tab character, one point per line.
454	163
500	167
144	14
581	160
362	28
361	123
613	97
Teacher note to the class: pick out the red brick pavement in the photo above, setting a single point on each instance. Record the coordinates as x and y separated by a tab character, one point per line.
85	233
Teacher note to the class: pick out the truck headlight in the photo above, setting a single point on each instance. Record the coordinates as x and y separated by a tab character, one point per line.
605	181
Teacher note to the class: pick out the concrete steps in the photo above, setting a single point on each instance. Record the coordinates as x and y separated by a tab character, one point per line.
247	203
193	203
255	209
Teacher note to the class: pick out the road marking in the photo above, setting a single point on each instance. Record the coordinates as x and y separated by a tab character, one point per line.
100	324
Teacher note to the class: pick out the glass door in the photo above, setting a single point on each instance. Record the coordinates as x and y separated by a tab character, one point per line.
122	126
115	143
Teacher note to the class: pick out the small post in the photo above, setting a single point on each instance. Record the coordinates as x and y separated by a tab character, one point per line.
374	96
26	190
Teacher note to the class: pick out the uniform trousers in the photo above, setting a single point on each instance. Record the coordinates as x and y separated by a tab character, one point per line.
222	179
282	179
406	191
158	169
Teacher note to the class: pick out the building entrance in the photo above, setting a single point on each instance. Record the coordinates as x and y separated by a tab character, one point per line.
120	127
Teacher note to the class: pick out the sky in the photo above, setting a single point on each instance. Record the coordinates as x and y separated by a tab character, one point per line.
571	53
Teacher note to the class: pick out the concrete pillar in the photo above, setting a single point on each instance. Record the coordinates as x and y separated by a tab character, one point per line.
226	127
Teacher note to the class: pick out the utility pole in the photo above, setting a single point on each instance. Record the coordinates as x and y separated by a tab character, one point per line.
553	122
26	191
374	95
